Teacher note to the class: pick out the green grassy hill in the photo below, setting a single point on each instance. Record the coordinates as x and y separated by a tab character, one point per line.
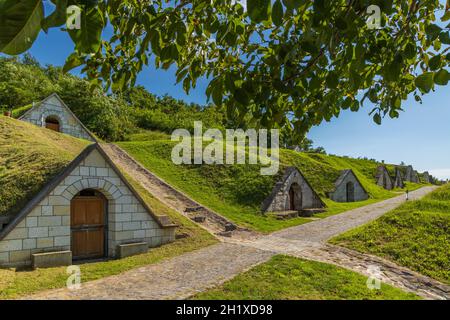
29	158
237	191
415	235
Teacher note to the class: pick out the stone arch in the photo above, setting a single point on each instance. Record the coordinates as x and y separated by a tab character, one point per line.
46	114
109	190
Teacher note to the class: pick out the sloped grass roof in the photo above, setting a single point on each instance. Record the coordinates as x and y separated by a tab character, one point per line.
30	157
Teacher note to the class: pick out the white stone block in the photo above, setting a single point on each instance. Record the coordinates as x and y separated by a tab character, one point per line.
31	222
10	245
139	234
59	231
4	258
57	201
49	221
131	225
38	232
47	210
29	244
102	172
84	171
45	242
62	241
121	217
18	233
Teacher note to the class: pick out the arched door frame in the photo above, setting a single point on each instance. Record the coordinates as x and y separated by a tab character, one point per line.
86	199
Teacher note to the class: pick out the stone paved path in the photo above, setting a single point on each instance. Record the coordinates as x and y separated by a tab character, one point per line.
324	229
185	275
175	278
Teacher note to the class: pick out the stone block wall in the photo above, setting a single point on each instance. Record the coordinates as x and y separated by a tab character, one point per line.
340	194
53	107
47	226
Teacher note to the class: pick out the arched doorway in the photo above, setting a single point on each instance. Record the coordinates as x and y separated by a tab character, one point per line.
295	198
52	123
88	223
350	187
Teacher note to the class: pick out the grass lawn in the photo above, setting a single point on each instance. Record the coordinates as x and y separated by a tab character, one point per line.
288	278
415	235
237	191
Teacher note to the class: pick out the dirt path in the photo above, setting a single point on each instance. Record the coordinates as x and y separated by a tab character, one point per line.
175	199
185	275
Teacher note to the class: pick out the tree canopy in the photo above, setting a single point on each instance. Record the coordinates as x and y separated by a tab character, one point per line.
280	62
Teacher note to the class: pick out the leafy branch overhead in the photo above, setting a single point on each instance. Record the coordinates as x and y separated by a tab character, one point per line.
282	61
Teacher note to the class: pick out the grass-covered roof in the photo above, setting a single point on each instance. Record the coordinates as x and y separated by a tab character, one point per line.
30	157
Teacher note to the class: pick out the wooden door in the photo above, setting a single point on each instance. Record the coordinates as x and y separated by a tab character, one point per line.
350	192
88	227
52	126
291	199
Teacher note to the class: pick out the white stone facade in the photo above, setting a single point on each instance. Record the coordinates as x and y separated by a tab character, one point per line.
54	107
341	192
48	226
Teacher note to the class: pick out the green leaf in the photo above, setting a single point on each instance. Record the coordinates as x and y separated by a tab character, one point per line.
58	17
87	39
445	37
433	31
446	16
277	13
72	62
258	10
377	118
435	62
332	80
217	93
425	82
20	23
442	77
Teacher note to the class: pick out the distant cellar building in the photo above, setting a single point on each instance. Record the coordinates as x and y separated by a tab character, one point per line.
348	188
292	193
383	178
52	113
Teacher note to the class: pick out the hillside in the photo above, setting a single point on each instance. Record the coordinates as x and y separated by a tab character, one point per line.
29	158
237	191
415	235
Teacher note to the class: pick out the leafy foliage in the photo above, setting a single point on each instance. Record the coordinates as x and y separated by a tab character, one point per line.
298	62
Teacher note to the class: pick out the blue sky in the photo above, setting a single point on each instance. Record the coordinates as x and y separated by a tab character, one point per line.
420	136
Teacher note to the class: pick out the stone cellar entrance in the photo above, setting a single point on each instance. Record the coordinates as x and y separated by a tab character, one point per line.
52	123
89	225
350	192
295	197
